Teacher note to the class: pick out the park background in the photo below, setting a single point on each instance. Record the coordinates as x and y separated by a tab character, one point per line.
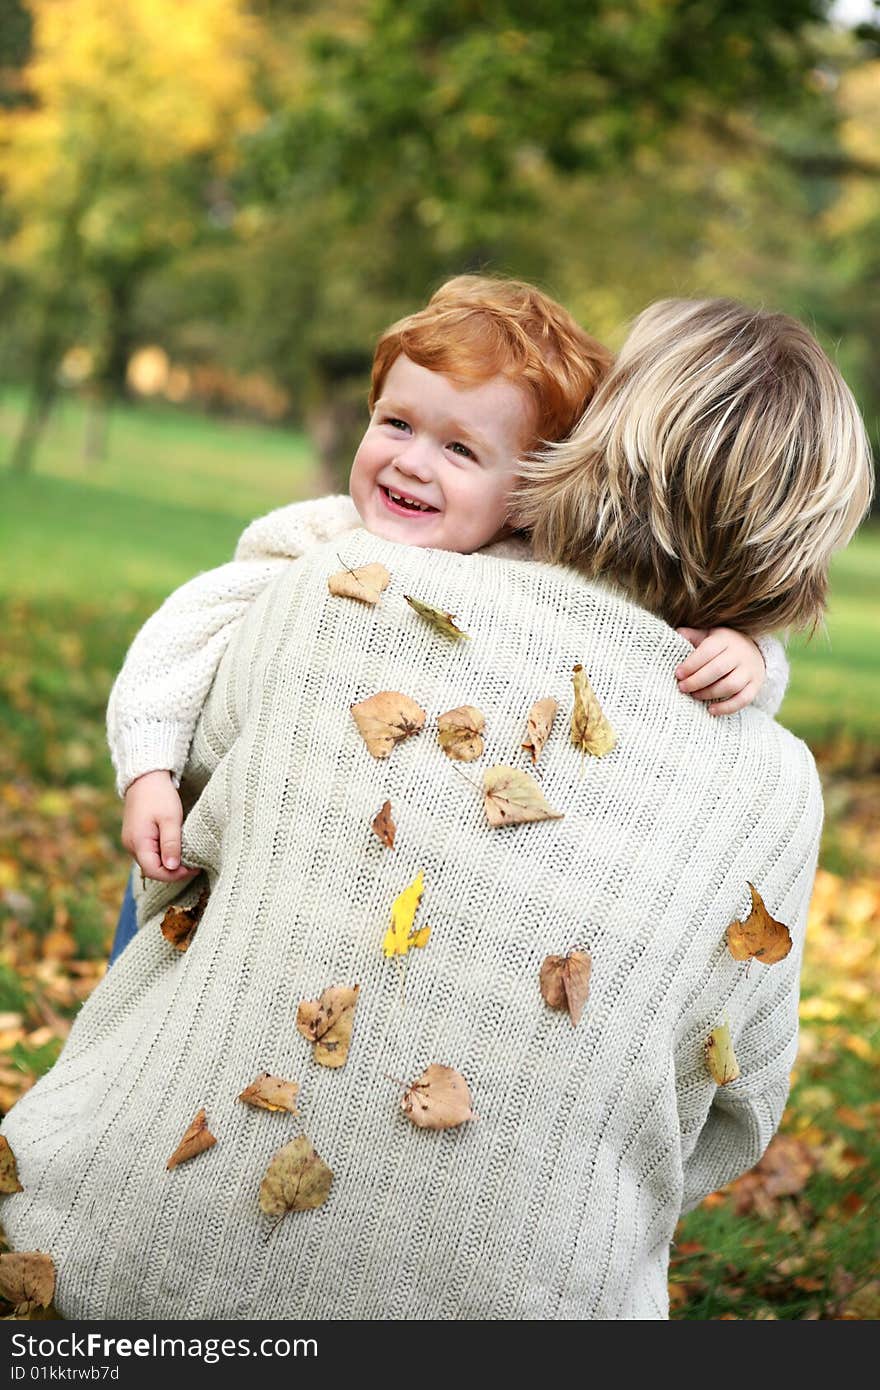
207	213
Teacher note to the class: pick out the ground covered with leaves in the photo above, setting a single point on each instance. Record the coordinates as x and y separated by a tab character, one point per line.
794	1239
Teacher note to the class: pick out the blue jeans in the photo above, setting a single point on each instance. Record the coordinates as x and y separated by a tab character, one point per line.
126	926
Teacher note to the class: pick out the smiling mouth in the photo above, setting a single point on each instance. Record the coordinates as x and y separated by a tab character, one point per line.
402	508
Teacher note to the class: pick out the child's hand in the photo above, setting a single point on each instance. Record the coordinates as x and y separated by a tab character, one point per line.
726	666
151	825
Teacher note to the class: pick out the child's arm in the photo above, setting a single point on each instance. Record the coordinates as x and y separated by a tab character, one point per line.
733	670
158	695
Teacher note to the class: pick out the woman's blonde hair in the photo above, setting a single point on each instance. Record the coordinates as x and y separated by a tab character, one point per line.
721	462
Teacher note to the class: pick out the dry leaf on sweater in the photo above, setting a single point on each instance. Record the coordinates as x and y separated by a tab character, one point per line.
438	1099
8	1171
443	622
538	724
327	1022
197	1138
720	1056
180	923
385	719
383	825
400	936
269	1092
459	732
565	982
511	797
27	1279
364	583
590	730
760	935
296	1180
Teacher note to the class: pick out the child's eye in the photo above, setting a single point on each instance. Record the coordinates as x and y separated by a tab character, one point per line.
462	449
395	423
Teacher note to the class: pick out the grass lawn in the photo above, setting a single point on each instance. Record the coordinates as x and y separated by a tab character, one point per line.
89	548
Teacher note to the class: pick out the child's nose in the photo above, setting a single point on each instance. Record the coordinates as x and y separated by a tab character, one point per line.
416	458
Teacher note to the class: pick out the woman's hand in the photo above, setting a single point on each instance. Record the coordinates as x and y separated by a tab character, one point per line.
151	826
726	667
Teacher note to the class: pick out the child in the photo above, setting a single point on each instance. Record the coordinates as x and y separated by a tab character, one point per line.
510	368
559	1199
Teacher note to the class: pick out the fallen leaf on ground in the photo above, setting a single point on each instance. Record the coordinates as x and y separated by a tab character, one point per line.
459	733
565	982
539	721
327	1022
590	730
783	1171
400	936
27	1279
759	936
438	1099
197	1138
384	826
365	583
720	1057
385	719
8	1171
179	924
295	1180
269	1092
443	622
511	797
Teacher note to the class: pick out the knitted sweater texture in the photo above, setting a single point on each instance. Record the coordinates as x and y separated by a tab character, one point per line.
559	1200
159	693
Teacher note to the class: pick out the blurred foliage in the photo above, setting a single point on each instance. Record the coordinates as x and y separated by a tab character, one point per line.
261	187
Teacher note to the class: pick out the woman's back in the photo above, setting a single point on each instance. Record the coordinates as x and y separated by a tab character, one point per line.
560	1198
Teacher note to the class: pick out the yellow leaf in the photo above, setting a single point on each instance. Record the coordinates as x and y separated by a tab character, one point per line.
759	935
512	797
720	1056
459	733
365	583
269	1092
590	730
443	622
538	724
328	1022
400	936
295	1180
385	719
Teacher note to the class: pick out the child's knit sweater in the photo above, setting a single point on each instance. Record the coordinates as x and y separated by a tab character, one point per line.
161	688
559	1200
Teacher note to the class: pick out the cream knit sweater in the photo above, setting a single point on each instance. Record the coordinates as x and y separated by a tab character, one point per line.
560	1199
159	693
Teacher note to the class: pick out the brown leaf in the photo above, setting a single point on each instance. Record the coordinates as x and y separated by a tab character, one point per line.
295	1180
271	1093
442	621
459	732
384	826
365	583
511	797
565	983
438	1099
27	1278
539	722
386	718
590	730
720	1056
197	1138
327	1022
8	1171
760	935
782	1172
179	924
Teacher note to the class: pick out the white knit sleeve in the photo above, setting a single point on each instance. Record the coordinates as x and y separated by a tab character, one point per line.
158	694
772	692
745	1113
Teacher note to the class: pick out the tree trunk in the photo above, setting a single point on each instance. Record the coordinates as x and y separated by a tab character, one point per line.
339	416
39	407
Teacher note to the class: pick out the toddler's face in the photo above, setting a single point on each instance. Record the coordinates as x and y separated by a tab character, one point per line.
454	448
